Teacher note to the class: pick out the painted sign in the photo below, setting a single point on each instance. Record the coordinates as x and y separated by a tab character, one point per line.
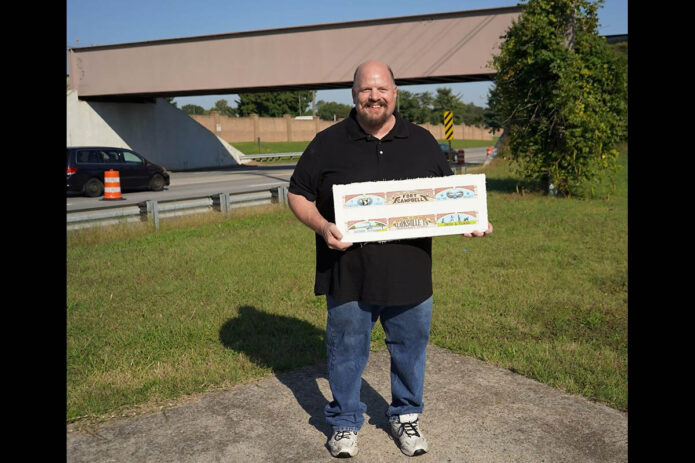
401	209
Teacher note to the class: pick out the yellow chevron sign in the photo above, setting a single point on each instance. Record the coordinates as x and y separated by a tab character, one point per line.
449	125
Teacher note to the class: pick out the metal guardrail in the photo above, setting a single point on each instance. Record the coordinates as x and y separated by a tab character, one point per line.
269	156
152	211
222	202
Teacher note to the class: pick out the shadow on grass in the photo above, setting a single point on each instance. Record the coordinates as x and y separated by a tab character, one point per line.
285	343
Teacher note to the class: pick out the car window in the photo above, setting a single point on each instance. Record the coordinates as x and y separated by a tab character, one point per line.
82	156
89	156
112	156
131	158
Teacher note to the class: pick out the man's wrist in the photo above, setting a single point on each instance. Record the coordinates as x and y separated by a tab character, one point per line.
324	227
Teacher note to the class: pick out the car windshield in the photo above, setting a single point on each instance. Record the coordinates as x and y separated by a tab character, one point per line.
131	158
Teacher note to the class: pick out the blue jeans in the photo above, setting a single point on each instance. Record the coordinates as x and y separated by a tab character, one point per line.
348	339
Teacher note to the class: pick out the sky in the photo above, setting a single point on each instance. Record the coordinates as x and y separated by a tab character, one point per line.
106	22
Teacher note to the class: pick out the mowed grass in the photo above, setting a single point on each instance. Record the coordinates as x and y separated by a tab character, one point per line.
155	317
546	294
162	315
251	147
458	143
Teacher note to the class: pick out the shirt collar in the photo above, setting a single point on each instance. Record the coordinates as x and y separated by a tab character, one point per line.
355	132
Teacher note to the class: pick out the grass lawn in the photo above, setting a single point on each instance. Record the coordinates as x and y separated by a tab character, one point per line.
209	302
251	147
456	144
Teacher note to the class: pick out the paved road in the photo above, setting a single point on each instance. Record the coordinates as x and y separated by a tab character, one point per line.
199	183
475	156
226	180
474	412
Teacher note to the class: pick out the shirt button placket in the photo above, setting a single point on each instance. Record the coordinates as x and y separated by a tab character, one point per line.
380	152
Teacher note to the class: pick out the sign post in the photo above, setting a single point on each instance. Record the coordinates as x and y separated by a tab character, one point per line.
449	129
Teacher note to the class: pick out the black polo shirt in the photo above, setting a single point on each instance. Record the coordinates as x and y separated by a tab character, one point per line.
390	273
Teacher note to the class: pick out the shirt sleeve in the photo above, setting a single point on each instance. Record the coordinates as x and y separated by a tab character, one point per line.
305	178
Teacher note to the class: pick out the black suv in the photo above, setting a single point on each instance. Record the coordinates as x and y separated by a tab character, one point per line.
86	166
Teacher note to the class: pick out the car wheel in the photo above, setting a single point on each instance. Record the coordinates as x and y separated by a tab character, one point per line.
93	188
157	183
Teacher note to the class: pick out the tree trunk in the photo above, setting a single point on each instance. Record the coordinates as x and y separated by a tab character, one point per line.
571	29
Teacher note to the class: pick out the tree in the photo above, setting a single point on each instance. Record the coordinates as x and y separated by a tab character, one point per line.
492	118
411	108
327	109
274	104
425	100
472	115
193	109
445	100
170	100
560	94
222	107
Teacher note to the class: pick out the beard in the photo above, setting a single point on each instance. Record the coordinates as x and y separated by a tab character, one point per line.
373	119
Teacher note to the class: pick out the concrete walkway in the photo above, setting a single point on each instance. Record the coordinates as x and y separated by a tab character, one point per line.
474	412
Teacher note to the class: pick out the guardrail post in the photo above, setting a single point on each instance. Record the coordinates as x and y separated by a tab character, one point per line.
228	203
152	212
281	195
222	203
143	211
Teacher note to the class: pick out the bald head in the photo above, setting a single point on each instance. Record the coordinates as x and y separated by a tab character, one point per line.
370	65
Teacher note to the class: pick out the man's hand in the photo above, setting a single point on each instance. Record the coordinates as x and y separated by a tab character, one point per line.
332	236
479	234
308	214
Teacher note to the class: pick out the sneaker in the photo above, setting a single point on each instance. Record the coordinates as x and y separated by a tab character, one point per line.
343	444
408	436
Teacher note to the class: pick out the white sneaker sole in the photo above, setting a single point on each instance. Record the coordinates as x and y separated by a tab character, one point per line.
415	453
345	453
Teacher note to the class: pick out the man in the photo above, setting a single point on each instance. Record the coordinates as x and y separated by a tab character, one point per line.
390	281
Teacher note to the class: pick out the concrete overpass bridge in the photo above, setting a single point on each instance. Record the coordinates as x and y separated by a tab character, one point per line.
116	91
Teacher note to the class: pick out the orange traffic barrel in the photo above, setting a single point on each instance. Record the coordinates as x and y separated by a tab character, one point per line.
112	185
489	151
